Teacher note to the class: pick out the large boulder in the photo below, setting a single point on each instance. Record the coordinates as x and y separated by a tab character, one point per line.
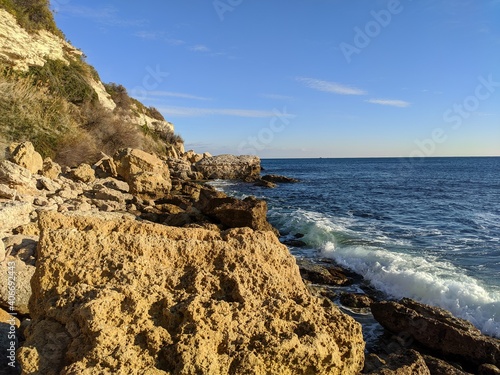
235	213
147	175
230	167
439	330
113	295
24	154
409	362
18	178
14	214
15	294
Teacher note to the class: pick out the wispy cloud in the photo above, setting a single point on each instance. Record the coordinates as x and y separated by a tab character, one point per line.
390	102
277	97
199	48
104	15
332	87
197	112
177	95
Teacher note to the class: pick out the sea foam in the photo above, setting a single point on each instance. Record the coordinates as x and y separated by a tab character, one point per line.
426	279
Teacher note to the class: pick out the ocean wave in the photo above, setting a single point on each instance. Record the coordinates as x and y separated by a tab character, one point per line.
399	274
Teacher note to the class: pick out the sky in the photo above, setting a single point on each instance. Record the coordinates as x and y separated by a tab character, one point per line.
305	78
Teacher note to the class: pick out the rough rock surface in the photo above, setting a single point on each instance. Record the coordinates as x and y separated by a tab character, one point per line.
234	213
320	274
439	367
438	330
16	177
409	362
230	167
23	273
279	179
147	175
14	214
123	297
21	50
24	154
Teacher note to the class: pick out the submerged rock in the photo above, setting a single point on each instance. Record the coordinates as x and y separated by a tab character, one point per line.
279	179
113	295
439	330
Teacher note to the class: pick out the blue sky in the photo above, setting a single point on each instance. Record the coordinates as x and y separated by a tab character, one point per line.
302	78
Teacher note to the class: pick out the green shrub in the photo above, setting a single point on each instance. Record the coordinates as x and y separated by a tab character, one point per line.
68	81
32	15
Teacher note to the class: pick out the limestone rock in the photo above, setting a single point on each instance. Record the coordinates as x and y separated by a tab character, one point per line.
355	300
13	215
83	173
17	178
21	288
51	169
320	274
105	167
7	193
147	175
406	363
438	330
230	167
235	213
24	154
113	295
488	369
2	251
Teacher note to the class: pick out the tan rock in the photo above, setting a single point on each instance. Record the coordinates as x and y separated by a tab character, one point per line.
51	169
2	251
438	329
83	173
13	215
24	154
409	362
17	178
7	193
113	295
229	167
147	175
105	167
7	318
18	293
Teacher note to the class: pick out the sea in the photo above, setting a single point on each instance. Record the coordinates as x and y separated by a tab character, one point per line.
427	229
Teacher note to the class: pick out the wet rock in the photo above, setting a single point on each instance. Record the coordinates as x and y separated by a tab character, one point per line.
488	369
229	167
143	298
355	300
406	363
438	330
439	367
24	155
264	183
279	179
319	274
294	243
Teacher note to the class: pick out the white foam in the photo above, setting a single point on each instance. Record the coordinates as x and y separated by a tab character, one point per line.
423	278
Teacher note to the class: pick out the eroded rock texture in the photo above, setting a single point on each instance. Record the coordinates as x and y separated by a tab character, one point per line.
112	295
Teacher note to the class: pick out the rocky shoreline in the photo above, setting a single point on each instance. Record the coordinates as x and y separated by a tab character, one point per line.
134	265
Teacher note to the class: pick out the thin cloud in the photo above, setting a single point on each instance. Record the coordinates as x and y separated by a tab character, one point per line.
198	112
331	87
199	48
389	102
277	97
177	95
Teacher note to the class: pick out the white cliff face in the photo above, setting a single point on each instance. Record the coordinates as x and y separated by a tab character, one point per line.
20	49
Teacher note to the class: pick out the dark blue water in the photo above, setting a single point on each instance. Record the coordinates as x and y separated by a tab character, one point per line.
426	229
